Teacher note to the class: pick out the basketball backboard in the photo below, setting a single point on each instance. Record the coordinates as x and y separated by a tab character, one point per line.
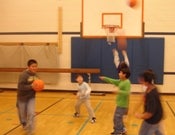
98	13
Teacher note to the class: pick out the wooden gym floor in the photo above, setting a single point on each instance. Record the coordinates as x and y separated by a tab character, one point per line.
54	115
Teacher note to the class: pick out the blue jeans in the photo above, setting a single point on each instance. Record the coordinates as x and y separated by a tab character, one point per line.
118	119
26	113
151	129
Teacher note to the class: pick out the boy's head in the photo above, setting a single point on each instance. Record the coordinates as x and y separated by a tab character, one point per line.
32	65
122	65
124	73
147	76
79	78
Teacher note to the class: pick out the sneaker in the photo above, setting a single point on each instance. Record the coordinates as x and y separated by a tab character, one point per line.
93	120
122	133
112	133
30	132
24	125
76	114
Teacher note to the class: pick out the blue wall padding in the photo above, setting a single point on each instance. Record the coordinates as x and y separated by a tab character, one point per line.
143	53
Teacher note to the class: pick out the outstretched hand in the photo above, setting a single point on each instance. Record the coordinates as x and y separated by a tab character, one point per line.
138	115
101	77
114	91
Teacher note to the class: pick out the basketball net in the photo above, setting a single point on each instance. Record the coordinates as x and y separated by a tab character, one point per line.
111	32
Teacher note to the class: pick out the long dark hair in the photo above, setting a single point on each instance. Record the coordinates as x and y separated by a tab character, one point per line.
148	76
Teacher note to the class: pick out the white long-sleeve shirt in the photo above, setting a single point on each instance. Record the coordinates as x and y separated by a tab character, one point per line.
84	90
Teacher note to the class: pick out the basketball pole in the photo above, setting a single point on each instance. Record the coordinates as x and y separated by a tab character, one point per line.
60	13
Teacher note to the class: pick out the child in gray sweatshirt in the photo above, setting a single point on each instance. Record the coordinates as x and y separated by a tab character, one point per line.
83	97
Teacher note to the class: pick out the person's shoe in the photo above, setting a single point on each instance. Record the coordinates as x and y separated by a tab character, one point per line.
76	114
112	133
122	133
24	125
93	120
30	132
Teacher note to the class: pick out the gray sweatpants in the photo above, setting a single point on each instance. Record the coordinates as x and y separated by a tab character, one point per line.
87	103
26	113
151	129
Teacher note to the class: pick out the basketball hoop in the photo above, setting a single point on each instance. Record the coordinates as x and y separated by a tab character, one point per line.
111	31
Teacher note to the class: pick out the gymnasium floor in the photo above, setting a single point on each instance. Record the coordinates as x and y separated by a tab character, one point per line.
54	115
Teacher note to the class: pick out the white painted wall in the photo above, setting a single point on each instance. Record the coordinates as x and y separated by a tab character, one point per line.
42	16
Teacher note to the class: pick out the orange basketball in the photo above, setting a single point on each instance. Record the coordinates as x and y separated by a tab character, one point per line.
122	43
38	85
132	3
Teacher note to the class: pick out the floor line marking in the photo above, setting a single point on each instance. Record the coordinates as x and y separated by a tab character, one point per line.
87	120
170	108
35	115
6	111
